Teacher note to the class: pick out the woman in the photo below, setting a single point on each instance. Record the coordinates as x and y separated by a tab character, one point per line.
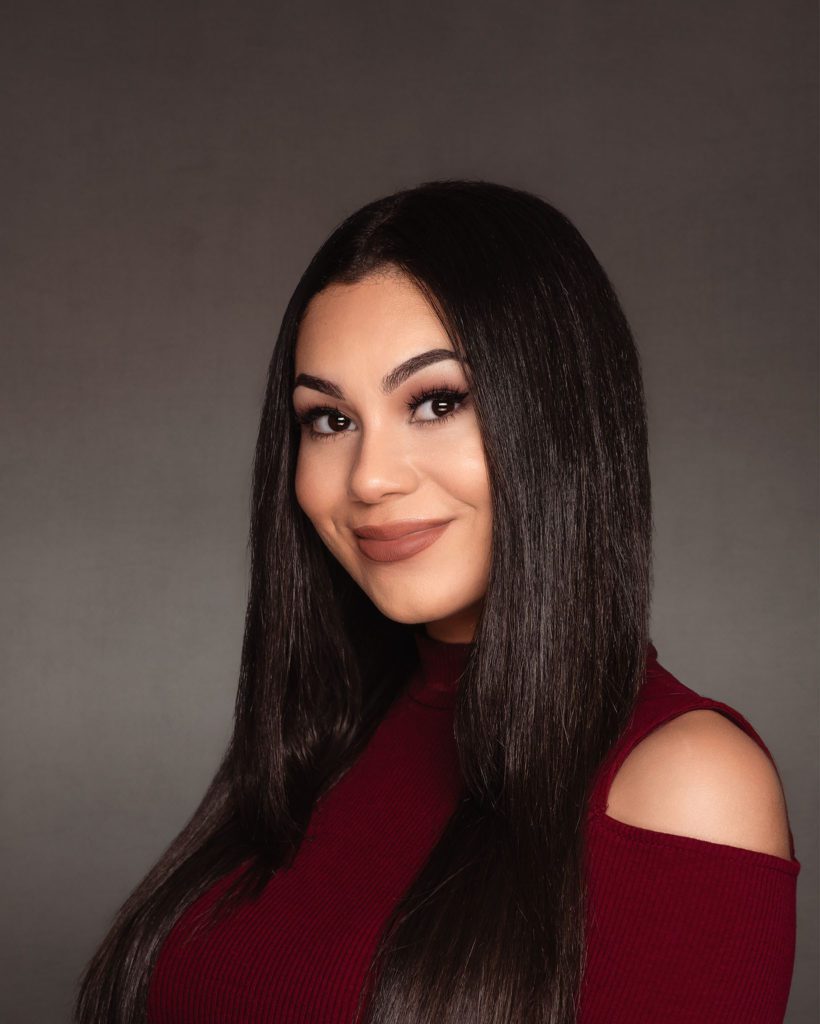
434	806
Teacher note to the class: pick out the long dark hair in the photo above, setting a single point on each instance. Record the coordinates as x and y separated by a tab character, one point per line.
559	649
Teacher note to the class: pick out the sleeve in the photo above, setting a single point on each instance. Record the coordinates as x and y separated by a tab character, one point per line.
685	931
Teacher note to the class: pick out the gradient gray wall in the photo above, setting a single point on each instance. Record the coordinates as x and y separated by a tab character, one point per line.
168	170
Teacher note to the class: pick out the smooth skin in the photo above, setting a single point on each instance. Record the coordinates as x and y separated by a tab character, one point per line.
701	775
698	775
384	462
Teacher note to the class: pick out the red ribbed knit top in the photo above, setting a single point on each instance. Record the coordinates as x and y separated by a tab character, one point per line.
679	930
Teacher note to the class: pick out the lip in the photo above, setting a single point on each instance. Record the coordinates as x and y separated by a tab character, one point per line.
405	545
398	528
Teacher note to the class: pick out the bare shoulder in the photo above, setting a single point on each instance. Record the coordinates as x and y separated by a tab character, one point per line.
701	775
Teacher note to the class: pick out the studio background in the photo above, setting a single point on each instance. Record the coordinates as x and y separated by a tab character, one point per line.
168	170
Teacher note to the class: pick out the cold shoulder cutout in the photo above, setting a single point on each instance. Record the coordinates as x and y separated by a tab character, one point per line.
682	929
664	698
701	775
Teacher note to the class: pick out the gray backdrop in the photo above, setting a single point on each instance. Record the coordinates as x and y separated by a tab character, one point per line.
168	171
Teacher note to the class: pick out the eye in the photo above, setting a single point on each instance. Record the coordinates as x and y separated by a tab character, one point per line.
437	397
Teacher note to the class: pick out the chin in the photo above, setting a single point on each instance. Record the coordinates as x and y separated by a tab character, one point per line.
419	612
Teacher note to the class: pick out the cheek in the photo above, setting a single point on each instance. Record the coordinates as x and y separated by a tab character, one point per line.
317	495
312	489
462	472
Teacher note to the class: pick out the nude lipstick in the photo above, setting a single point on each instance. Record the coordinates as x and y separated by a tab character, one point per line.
399	540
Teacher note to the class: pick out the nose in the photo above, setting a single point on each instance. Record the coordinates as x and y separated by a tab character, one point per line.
381	466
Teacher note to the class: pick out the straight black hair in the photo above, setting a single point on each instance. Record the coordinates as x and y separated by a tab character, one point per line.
559	649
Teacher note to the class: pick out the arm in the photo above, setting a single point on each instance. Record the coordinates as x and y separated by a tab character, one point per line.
692	889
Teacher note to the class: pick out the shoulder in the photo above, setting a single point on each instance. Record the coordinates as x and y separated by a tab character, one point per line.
701	775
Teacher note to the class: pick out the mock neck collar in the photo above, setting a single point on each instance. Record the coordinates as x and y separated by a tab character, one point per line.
441	665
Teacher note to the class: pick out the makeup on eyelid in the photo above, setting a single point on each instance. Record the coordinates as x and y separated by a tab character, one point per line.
441	392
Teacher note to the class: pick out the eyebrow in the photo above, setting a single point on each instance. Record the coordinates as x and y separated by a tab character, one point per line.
390	381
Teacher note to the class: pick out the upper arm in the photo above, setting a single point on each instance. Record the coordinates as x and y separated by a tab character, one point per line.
701	775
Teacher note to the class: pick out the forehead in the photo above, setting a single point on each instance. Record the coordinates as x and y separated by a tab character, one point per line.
384	317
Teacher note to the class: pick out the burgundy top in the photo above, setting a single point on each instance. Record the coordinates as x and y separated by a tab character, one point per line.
680	929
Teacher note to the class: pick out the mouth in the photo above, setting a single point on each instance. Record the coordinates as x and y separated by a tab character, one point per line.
401	547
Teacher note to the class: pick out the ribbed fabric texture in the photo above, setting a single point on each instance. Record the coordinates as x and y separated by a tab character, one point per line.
679	930
682	930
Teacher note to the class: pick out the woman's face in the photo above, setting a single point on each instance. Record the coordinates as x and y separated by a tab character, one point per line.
389	454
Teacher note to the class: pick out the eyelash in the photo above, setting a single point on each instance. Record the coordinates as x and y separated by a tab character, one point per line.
309	415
